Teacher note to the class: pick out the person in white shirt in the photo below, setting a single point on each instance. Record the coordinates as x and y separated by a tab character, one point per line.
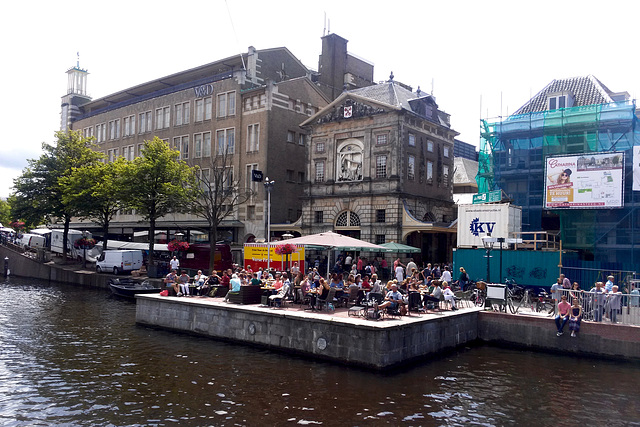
411	267
446	275
399	273
449	296
174	263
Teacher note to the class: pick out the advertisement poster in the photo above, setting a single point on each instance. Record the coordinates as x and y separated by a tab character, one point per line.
584	181
255	255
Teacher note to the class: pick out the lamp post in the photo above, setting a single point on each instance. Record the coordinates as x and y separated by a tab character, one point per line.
501	241
488	243
268	185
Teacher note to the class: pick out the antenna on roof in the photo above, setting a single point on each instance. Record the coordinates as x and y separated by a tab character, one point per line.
324	29
244	67
78	61
432	84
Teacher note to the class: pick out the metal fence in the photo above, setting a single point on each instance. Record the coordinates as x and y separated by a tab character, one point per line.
608	308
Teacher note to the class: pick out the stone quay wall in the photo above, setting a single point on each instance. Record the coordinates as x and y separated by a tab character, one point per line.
371	344
536	333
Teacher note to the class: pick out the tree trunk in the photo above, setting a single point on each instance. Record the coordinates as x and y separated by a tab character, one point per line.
152	235
65	238
213	239
105	233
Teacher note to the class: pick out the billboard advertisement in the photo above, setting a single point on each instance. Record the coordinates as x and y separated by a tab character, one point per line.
483	220
255	255
585	181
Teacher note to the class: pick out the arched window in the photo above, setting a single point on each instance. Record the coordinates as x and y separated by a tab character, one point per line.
347	219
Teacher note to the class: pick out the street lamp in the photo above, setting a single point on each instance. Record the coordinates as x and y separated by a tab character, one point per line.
488	243
268	185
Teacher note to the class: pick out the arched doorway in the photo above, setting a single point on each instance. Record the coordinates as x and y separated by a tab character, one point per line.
348	223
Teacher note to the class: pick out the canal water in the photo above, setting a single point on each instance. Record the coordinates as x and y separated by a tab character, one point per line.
74	356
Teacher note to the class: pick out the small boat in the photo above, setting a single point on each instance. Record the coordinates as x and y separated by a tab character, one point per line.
129	288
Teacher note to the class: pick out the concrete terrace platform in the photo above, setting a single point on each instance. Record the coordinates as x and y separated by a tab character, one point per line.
335	336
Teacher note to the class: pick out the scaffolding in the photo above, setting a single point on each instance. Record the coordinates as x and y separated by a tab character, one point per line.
512	158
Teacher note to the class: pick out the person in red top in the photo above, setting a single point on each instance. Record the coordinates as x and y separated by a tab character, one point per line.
366	286
564	308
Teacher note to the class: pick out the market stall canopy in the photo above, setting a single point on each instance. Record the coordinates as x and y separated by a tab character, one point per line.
333	240
400	248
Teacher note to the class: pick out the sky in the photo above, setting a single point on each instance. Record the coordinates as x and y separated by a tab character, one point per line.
479	59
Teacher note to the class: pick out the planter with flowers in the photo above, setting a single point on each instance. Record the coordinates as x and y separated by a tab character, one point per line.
84	243
178	245
287	249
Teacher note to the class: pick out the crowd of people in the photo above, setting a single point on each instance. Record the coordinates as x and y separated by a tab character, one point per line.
429	285
602	301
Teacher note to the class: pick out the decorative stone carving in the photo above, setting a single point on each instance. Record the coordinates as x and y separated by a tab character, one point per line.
349	161
349	110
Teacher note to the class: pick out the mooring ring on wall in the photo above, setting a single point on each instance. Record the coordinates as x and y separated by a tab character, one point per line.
321	343
252	329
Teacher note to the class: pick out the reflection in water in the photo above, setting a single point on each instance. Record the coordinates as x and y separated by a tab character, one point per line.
74	356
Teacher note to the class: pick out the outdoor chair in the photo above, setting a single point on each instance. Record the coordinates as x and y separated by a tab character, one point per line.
329	301
351	297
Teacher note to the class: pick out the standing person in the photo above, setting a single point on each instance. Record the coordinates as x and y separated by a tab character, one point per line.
399	271
566	283
575	317
556	293
385	268
411	267
174	263
564	309
608	286
463	279
446	275
598	298
614	300
360	265
347	262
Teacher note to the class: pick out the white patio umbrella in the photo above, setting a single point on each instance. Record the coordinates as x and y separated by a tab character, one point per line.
332	240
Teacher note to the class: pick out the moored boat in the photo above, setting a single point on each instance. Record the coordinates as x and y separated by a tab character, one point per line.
128	288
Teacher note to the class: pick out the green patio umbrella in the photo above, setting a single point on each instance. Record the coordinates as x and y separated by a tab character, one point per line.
400	248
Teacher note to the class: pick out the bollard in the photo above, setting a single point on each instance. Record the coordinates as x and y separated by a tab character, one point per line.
6	266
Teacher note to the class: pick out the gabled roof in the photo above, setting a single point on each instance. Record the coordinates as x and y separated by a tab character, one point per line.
394	95
585	91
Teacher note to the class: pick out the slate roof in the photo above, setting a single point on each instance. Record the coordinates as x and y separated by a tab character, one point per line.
585	90
397	95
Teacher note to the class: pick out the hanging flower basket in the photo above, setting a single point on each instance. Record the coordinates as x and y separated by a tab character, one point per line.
18	225
84	243
286	249
177	245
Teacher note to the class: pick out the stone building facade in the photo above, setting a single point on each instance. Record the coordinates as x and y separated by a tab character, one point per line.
251	103
380	165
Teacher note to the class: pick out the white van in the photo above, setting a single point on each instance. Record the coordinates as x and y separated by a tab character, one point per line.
32	241
119	261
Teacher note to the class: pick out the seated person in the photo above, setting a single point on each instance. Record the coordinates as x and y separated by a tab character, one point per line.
183	282
449	296
205	288
393	298
235	286
255	281
199	280
276	299
433	296
171	282
376	285
278	283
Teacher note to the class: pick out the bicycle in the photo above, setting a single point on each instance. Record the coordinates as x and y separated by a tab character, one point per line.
544	303
479	294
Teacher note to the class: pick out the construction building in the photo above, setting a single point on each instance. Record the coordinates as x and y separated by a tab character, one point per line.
567	157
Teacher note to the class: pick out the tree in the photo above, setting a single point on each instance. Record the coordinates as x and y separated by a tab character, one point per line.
96	189
158	183
5	212
218	194
39	192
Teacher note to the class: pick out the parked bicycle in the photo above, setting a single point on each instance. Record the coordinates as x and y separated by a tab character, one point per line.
479	294
545	303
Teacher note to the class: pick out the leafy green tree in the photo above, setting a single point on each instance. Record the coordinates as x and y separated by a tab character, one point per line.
39	192
157	184
5	212
218	194
96	190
